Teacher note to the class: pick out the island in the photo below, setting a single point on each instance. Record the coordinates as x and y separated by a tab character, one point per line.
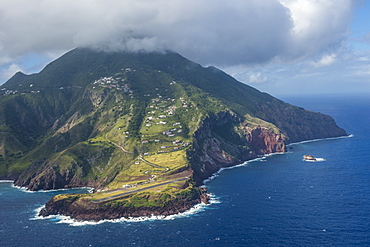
143	129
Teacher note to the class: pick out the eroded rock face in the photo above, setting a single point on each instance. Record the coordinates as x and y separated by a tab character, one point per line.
224	140
47	176
264	141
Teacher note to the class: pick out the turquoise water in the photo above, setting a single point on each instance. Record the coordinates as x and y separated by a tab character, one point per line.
277	201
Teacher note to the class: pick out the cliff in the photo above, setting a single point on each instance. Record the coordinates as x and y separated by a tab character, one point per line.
225	140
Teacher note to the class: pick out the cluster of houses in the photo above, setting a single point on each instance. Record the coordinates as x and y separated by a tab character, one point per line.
5	91
157	105
111	82
172	132
185	103
160	110
176	145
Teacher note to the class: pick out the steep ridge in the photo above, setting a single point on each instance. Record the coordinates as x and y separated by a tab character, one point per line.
114	121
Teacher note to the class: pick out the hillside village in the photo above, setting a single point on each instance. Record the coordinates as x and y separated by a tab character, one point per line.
6	92
159	126
161	133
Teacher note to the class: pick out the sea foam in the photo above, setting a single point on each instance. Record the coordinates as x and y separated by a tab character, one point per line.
24	189
216	174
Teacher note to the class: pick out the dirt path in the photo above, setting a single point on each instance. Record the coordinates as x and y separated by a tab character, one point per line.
115	144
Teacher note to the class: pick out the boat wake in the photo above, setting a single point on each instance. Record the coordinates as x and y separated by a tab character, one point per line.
323	139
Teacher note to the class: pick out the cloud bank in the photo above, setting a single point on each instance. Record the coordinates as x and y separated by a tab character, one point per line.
219	32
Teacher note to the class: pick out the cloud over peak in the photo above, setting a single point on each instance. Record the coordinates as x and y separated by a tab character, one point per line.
219	32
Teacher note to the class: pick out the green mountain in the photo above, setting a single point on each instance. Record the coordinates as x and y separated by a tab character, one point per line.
124	121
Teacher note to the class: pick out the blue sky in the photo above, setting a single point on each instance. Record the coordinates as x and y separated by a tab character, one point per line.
278	46
360	27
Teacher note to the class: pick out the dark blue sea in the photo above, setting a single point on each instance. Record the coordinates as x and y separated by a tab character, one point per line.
280	200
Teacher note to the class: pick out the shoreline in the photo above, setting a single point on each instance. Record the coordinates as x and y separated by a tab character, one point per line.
193	210
215	175
26	190
84	210
63	219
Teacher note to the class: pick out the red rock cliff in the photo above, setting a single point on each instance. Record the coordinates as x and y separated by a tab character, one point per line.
223	140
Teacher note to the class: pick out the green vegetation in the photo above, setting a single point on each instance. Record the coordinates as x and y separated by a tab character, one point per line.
254	122
172	160
116	121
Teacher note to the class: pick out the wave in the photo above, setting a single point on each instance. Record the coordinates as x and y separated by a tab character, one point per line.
37	212
6	181
322	139
24	189
213	199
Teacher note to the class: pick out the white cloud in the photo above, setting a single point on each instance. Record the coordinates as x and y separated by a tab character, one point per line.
325	60
5	60
340	73
8	72
222	32
318	25
363	58
256	78
258	41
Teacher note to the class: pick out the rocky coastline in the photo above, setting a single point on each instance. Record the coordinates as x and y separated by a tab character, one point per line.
87	210
209	154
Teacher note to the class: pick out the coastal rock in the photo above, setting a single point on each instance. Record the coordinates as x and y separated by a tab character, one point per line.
309	157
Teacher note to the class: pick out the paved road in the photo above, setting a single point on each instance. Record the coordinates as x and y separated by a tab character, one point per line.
135	191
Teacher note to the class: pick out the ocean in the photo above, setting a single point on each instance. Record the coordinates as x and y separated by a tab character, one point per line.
279	200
